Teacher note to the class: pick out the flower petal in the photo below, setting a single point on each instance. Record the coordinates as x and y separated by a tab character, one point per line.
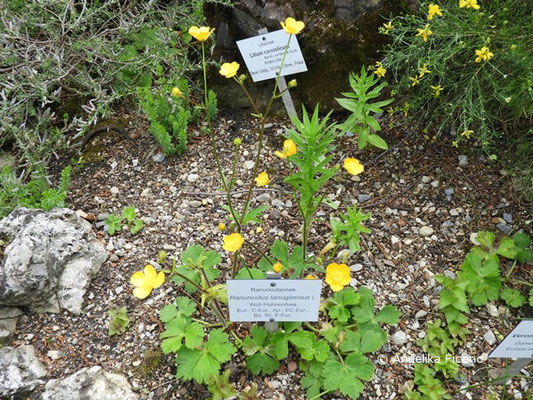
150	273
142	292
138	279
159	280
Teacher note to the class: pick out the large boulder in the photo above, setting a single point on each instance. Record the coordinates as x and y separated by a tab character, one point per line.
20	370
8	322
89	384
340	36
49	261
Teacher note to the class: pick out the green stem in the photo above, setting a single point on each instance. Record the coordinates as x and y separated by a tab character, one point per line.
190	281
262	132
311	327
339	354
217	308
521	282
230	185
205	323
235	265
211	132
510	272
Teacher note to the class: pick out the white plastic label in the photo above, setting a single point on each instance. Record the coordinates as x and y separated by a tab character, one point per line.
263	54
253	300
517	344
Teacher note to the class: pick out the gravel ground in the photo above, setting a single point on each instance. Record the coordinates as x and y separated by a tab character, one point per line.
425	199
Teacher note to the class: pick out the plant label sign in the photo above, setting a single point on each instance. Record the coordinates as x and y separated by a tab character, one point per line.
262	300
262	55
517	344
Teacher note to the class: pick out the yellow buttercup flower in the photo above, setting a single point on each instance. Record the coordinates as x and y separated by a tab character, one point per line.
483	54
200	33
387	28
437	90
353	166
415	81
337	276
233	242
277	267
469	4
289	149
424	33
176	92
221	226
311	277
229	70
262	179
467	133
423	70
293	27
434	9
146	280
380	71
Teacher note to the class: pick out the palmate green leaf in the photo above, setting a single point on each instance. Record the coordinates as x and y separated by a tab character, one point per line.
191	275
337	305
250	273
312	381
507	248
523	246
347	377
184	307
486	238
204	361
178	330
136	226
319	351
355	342
280	341
113	223
196	256
129	214
512	297
119	321
388	315
482	280
260	355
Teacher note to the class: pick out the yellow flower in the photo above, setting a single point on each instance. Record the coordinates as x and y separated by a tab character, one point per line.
414	80
292	26
455	143
387	28
229	70
292	84
262	179
337	276
469	4
353	166
221	226
277	267
311	277
233	242
258	229
424	33
423	70
289	149
433	10
483	54
380	71
201	34
237	141
176	92
467	133
437	90
145	281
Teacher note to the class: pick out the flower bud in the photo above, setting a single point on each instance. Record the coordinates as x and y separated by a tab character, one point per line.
292	84
237	141
221	226
176	92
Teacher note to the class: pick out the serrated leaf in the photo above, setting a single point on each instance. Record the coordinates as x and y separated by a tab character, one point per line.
512	297
388	315
522	240
486	238
346	377
186	306
129	214
204	361
119	321
168	313
260	359
250	273
507	248
178	330
113	223
253	215
220	386
136	227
